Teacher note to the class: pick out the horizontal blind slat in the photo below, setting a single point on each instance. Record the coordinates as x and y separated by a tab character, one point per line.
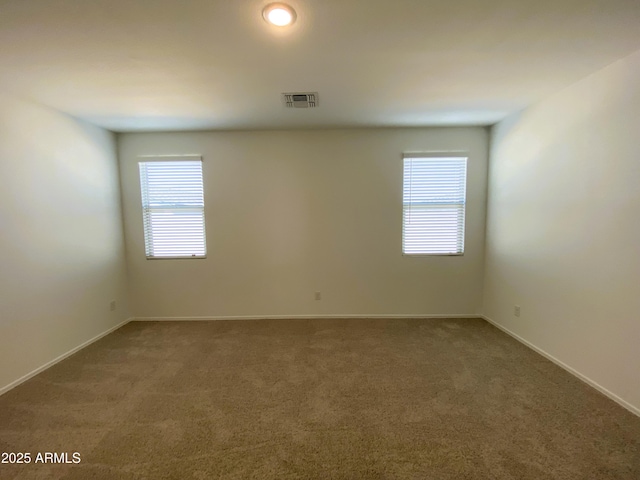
173	208
434	197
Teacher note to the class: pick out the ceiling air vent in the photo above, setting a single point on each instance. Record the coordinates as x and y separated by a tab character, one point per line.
300	100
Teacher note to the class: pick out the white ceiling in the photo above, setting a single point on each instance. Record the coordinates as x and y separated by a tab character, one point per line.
131	65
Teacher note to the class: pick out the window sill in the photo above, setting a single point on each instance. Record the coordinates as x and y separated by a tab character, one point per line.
199	257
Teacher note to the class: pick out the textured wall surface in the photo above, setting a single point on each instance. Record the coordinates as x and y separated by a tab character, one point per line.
61	249
563	237
291	213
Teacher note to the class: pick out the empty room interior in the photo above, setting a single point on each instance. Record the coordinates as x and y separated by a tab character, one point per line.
341	239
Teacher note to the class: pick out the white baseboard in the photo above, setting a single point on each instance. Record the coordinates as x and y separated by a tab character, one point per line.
584	378
42	368
299	317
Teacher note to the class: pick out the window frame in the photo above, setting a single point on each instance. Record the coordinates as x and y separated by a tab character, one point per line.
171	158
437	154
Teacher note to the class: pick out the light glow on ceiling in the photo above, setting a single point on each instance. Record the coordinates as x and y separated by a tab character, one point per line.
279	14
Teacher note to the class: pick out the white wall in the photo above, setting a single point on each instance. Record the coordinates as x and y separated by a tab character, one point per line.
293	212
61	248
563	228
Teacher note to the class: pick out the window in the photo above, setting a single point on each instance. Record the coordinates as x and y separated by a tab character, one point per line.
434	193
173	207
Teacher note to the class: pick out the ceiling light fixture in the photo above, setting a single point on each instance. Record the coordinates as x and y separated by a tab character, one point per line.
279	14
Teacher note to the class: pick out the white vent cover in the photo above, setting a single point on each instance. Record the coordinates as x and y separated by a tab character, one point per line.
300	100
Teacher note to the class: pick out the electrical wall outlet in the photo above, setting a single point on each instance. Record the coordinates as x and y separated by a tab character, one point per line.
318	296
112	305
516	310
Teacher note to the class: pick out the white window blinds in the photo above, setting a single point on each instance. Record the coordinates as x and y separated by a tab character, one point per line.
434	194
173	208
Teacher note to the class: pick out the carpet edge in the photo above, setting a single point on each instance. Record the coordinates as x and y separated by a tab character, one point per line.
592	383
300	317
59	358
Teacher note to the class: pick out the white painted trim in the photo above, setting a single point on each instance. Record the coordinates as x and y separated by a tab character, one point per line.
42	368
299	317
574	372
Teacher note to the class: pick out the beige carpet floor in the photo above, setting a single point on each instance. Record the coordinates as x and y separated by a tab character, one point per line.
326	399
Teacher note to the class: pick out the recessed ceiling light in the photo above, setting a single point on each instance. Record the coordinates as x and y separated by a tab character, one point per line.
279	14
